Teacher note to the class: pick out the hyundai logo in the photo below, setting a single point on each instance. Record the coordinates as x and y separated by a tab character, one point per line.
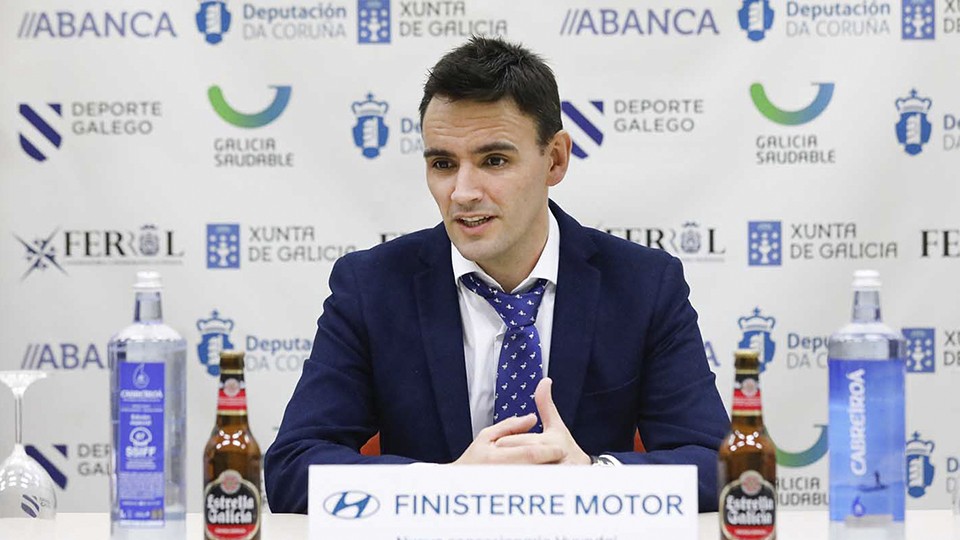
351	505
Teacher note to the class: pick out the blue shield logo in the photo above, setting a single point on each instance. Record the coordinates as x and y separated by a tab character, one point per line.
223	245
373	21
918	19
913	129
764	245
370	133
213	20
921	349
588	130
351	505
44	131
756	335
214	337
919	468
756	17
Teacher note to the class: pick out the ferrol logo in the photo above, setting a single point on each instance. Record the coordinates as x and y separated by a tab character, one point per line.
351	505
96	247
231	507
690	242
940	243
748	508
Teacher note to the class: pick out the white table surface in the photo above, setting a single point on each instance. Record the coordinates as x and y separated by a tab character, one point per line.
921	525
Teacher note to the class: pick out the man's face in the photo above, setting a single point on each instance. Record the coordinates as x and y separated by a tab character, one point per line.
489	177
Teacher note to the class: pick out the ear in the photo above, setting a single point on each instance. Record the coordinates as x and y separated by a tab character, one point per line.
559	151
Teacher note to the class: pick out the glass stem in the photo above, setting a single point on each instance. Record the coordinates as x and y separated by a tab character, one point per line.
18	413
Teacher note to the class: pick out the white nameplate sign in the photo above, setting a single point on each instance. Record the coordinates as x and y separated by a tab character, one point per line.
413	502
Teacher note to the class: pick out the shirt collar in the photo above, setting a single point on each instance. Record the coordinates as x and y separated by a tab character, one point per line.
546	267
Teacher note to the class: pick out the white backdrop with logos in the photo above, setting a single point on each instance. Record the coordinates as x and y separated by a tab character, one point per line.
774	147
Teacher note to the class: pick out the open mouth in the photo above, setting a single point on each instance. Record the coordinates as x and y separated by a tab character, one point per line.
474	221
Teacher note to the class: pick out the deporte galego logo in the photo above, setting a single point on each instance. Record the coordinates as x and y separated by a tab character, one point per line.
351	505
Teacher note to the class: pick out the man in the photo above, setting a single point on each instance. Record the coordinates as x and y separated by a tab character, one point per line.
441	339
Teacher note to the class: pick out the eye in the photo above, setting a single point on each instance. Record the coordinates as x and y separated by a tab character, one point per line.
496	161
442	164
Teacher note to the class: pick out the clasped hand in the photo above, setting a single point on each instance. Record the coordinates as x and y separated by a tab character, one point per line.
508	442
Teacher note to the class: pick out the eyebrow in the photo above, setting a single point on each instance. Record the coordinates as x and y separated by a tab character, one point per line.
499	146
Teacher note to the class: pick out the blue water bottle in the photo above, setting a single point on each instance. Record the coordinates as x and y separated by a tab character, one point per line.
867	421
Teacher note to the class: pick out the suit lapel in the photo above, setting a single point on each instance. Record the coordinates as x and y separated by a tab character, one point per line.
574	315
442	332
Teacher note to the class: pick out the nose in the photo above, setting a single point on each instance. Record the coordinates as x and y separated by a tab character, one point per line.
468	188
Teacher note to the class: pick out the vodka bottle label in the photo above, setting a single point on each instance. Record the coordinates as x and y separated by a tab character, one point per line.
867	439
140	478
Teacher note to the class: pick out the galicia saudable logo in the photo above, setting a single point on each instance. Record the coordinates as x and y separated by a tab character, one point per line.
213	20
919	468
791	118
43	128
215	337
373	21
913	128
370	133
921	349
588	128
223	245
765	243
756	17
756	335
255	120
917	17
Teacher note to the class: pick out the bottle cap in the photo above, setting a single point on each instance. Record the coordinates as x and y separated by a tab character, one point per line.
866	280
148	280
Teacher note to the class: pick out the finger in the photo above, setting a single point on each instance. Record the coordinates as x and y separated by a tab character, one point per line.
528	455
522	439
509	426
543	397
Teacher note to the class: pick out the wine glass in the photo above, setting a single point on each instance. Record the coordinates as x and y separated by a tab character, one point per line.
26	490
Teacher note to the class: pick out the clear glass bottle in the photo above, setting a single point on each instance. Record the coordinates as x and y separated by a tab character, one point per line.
867	430
148	415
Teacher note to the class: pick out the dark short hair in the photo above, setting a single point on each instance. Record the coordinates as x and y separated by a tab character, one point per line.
490	69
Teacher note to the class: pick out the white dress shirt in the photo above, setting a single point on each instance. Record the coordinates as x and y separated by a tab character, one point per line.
483	330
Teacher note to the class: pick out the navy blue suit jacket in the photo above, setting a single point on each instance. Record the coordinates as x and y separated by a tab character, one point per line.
626	354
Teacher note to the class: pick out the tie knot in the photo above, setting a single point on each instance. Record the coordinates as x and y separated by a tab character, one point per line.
516	310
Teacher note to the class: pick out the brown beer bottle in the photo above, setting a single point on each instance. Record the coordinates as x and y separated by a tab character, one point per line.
231	462
748	461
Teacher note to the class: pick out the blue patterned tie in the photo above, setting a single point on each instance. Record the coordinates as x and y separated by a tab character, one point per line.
520	367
